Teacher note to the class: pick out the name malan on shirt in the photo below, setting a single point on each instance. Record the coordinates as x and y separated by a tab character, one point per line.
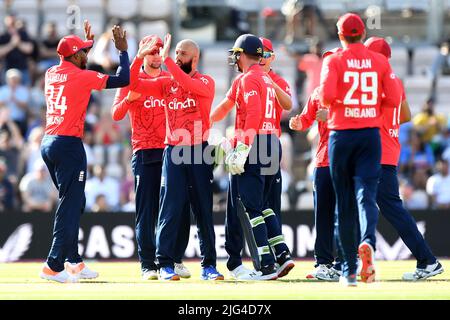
359	63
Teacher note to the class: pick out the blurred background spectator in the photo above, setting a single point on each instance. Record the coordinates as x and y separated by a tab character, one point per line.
47	49
15	47
100	204
37	191
7	195
101	184
15	97
438	186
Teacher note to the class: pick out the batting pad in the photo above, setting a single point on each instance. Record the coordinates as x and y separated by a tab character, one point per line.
247	229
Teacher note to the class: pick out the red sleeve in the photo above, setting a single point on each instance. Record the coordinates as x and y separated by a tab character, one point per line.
284	85
231	94
151	87
94	80
203	86
121	104
134	73
328	82
308	115
391	90
402	88
254	109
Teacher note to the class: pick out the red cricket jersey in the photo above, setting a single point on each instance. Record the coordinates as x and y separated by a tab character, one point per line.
285	87
188	103
352	83
389	132
307	118
255	97
67	91
147	115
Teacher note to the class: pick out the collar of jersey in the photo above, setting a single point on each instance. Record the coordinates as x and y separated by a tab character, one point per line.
255	66
356	46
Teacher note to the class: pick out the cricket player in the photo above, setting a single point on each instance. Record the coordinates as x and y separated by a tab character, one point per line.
233	230
148	132
68	88
351	86
186	174
254	161
388	198
323	192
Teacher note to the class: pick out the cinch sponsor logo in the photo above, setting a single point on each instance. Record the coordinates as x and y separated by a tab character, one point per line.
249	94
176	105
359	63
154	103
360	113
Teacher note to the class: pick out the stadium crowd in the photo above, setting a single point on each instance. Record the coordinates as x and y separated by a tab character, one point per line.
25	183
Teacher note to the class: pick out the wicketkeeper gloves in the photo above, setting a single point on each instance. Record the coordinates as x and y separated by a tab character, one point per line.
236	159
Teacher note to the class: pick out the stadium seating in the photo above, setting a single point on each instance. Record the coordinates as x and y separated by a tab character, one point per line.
155	9
399	61
160	28
423	58
122	9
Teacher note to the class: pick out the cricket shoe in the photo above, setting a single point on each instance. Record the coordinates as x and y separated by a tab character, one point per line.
81	270
182	271
61	277
349	281
268	272
211	273
242	273
148	274
285	263
366	254
324	272
422	274
167	273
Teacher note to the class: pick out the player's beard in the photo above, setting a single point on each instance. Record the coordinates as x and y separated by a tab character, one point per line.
186	67
83	64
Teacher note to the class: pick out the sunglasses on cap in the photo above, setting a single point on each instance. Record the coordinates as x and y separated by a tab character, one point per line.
267	54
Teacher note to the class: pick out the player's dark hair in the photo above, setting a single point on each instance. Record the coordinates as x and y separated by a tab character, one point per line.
253	57
353	39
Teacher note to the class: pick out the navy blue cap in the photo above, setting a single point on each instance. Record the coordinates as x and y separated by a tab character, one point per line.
249	44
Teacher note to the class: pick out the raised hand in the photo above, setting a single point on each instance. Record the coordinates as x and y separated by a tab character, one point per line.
149	48
88	31
295	123
120	38
322	114
166	49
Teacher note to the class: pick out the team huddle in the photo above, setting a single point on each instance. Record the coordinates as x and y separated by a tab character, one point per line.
358	106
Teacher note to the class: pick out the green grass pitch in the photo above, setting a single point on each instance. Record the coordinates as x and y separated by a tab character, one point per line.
121	280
